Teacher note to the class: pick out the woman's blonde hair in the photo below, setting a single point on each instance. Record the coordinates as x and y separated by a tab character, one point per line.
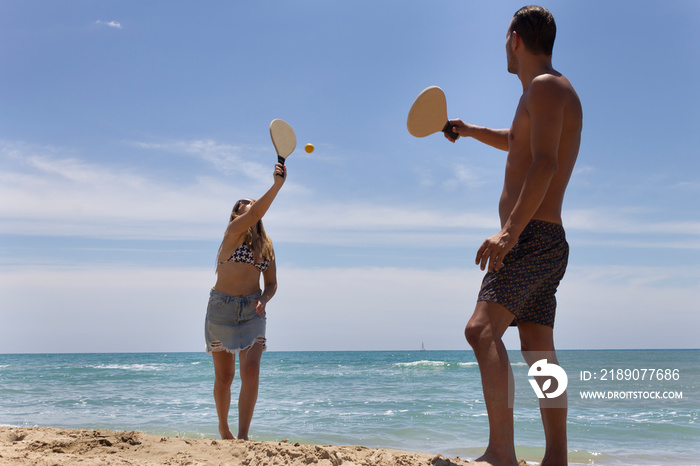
255	238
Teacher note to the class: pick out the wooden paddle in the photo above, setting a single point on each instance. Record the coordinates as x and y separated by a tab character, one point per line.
283	138
428	114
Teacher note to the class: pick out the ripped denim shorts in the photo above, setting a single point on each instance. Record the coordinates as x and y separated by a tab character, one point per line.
232	324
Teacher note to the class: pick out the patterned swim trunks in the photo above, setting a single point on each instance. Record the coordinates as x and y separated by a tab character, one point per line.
528	279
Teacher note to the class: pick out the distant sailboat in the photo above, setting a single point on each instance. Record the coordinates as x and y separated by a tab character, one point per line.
422	346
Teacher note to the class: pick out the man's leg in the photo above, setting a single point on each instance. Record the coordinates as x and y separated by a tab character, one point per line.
537	342
484	333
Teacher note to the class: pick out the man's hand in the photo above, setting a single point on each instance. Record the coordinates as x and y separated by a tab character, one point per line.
459	127
494	250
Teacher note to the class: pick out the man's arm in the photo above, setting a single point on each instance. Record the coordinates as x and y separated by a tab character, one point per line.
497	138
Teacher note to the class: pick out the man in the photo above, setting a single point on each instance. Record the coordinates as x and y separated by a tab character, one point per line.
527	258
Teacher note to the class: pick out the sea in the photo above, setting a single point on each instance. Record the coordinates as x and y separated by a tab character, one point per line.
645	411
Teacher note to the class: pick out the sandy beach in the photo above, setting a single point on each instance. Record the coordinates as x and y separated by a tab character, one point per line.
46	446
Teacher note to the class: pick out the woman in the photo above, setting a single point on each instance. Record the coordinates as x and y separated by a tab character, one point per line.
235	322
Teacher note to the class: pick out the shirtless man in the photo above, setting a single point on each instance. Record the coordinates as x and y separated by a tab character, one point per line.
527	258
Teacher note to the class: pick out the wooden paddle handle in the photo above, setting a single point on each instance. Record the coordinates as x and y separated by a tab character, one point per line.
447	129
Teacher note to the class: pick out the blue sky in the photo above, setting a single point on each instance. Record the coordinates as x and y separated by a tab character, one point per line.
129	129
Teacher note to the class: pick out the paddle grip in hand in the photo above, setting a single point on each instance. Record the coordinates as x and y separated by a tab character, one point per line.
280	159
447	129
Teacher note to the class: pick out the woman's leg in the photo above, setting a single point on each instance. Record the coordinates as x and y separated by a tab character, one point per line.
224	370
250	376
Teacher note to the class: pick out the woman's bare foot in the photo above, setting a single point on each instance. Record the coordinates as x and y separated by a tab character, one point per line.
226	433
490	459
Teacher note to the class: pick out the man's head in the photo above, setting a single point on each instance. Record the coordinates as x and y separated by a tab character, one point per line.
536	27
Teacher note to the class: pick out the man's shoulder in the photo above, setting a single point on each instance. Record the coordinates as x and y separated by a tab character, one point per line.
549	88
549	83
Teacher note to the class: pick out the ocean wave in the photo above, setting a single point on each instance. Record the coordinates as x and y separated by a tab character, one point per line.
421	363
434	364
132	367
441	364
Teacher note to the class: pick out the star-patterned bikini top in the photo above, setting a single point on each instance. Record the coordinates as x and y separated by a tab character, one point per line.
244	255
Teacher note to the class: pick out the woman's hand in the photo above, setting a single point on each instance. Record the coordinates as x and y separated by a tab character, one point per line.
280	174
260	306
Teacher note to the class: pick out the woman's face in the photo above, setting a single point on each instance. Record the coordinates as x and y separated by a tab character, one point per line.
243	206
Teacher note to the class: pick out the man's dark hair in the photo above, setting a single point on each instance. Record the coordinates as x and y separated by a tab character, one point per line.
537	28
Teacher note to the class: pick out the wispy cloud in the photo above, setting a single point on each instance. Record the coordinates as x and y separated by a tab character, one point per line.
690	187
57	192
461	176
465	176
334	222
225	157
581	170
111	24
58	195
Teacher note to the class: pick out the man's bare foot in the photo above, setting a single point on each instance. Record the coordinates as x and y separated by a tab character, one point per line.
226	433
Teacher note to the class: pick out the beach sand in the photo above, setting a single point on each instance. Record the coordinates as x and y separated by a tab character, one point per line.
47	446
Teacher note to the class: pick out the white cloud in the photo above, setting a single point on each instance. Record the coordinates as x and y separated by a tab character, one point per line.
55	191
100	308
397	308
629	307
64	195
67	196
625	220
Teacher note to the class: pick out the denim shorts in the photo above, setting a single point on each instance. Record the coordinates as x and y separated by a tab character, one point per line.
232	325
